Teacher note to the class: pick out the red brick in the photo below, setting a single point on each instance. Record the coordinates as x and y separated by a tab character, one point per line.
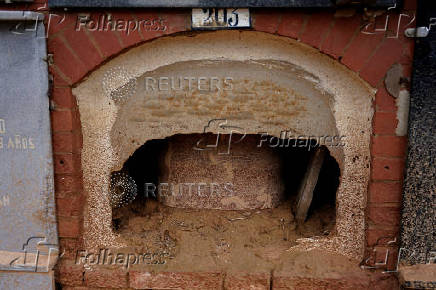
387	169
59	79
379	236
384	101
63	98
407	72
408	51
77	126
384	281
409	4
107	42
291	24
405	22
176	20
316	29
247	281
66	142
340	35
343	281
68	273
180	280
126	39
66	163
59	21
162	24
385	56
69	227
384	215
84	49
266	21
68	248
389	146
106	278
67	184
384	257
102	33
360	49
70	206
380	192
62	120
65	60
385	123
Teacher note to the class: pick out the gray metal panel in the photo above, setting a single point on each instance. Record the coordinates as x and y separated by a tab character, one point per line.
208	3
12	1
25	281
27	206
6	15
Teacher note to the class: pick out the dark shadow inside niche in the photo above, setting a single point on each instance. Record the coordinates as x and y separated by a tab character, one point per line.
145	166
142	168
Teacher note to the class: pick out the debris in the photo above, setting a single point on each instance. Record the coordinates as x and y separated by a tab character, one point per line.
305	193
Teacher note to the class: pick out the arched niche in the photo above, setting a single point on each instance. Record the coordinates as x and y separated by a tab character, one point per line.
278	84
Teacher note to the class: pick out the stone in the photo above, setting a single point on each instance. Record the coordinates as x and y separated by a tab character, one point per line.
242	176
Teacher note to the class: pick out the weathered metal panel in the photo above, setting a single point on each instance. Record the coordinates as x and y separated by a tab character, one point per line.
210	3
28	233
24	281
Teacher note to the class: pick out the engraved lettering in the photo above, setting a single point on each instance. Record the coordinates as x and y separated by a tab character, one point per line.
31	146
2	126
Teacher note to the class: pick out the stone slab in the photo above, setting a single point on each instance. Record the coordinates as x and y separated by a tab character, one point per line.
418	234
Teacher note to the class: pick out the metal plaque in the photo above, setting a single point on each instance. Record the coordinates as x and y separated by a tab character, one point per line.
28	232
216	18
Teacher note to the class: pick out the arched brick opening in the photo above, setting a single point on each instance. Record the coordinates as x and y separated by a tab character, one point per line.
369	56
330	96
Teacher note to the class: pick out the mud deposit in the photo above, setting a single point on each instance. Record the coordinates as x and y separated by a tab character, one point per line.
204	240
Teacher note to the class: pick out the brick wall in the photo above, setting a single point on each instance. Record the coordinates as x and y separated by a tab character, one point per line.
369	55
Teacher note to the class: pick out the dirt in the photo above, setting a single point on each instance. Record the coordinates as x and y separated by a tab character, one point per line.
211	240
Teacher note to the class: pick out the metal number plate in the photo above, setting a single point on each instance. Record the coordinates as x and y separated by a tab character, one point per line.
226	18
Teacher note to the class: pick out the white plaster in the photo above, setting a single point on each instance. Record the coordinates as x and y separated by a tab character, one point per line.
403	103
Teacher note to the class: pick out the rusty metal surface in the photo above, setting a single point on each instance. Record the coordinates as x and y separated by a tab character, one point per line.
28	233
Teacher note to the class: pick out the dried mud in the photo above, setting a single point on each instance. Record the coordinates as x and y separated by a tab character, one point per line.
210	240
